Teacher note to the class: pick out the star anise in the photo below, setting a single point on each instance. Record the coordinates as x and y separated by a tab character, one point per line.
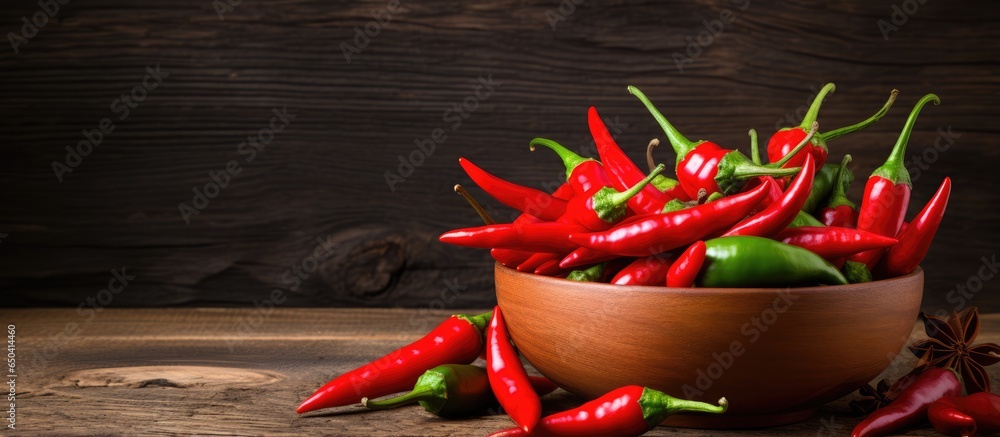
950	345
882	394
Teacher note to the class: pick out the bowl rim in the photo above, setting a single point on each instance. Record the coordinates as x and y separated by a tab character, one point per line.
846	288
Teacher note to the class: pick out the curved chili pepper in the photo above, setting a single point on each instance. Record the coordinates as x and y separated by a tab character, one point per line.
535	237
510	257
685	270
915	239
550	268
590	274
627	411
778	215
831	242
655	233
532	263
804	219
649	270
839	210
457	340
528	200
745	261
601	208
621	170
910	407
454	390
975	414
507	377
583	174
704	165
773	195
784	139
822	186
887	193
585	256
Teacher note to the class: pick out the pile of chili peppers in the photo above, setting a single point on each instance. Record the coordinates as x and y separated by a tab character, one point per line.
727	220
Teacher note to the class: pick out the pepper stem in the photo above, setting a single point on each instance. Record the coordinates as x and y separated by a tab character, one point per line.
656	406
621	197
841	184
799	147
678	141
836	133
417	395
475	205
813	111
893	169
568	157
754	147
478	321
653	143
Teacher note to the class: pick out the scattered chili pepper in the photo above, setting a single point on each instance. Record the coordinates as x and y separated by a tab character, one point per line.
950	345
507	377
590	274
528	200
975	414
601	208
822	186
778	215
648	270
804	219
855	272
831	243
583	174
621	170
458	340
915	239
685	270
784	140
535	237
746	261
655	233
704	165
887	192
839	210
910	407
453	390
627	411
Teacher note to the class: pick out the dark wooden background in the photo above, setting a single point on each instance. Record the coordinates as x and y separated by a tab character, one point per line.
323	176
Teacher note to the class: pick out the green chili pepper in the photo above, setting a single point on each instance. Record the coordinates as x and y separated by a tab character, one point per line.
822	186
856	272
591	274
745	261
805	219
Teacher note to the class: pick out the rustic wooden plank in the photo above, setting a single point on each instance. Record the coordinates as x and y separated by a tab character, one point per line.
171	371
323	177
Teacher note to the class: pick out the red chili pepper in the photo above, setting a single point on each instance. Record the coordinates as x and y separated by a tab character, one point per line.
535	237
831	242
685	269
785	139
778	215
705	167
627	411
621	170
915	238
773	195
458	340
839	210
508	379
601	208
975	414
550	268
585	256
510	257
648	270
528	200
583	174
910	407
655	233
887	193
532	263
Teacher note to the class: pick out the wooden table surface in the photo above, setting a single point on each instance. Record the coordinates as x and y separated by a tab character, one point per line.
235	371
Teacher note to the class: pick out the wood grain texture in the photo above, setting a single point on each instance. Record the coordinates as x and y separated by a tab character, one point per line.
324	175
296	350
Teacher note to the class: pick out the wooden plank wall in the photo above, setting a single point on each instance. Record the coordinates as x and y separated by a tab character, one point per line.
321	180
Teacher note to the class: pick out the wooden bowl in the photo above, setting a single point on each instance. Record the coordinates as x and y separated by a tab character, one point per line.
775	354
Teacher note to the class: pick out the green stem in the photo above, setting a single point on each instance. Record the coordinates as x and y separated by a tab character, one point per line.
894	169
754	147
417	395
478	321
475	205
568	157
678	141
656	406
621	197
814	108
802	144
836	133
752	171
841	184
